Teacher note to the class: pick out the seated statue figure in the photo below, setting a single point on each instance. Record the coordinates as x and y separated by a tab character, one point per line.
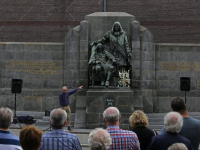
101	65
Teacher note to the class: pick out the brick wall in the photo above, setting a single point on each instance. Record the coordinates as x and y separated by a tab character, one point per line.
49	20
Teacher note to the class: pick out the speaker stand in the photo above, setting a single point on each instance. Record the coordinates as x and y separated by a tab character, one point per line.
15	120
185	97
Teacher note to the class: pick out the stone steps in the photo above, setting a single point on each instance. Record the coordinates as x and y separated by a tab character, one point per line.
45	120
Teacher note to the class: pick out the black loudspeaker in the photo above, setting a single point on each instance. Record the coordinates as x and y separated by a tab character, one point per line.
47	112
185	83
16	86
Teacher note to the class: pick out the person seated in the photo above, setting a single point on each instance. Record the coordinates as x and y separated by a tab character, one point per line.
139	122
8	141
173	122
177	146
99	139
58	138
30	138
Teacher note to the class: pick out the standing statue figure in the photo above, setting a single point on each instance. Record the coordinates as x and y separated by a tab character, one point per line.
101	64
116	46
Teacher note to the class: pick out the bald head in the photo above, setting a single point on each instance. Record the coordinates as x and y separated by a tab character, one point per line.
64	89
99	139
111	115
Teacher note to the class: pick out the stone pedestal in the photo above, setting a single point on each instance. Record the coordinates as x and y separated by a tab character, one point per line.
97	100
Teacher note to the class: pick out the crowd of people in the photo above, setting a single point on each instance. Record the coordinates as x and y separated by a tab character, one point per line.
180	132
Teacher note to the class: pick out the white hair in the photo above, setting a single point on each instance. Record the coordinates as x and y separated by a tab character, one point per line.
173	122
99	139
111	114
177	146
6	117
58	118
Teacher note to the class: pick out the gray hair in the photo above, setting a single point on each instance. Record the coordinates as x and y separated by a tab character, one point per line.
111	114
6	117
173	122
99	139
64	87
58	118
177	146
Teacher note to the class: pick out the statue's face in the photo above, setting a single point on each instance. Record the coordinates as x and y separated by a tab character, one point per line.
100	49
116	28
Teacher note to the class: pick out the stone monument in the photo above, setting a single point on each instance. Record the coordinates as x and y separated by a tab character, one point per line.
113	57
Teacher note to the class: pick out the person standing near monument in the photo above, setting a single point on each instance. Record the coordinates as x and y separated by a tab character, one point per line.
64	102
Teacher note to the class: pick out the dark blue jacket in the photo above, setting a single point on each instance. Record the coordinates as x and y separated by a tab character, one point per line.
162	142
64	98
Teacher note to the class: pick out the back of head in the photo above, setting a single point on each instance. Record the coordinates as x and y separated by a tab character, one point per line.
6	117
138	118
99	139
111	115
178	105
173	122
30	138
177	146
58	118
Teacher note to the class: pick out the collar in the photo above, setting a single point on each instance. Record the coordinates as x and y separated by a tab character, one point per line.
5	132
138	126
109	127
57	130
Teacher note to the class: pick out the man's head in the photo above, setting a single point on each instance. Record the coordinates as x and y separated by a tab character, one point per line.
30	138
99	48
178	105
111	116
58	118
173	122
6	118
64	89
99	139
116	27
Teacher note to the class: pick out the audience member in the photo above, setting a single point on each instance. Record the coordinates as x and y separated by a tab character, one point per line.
8	141
58	138
99	139
121	139
139	122
191	126
30	138
178	146
173	122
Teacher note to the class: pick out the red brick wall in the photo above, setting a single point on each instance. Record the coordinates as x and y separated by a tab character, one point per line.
176	21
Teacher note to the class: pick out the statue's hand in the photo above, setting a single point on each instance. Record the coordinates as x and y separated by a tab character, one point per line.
129	54
92	44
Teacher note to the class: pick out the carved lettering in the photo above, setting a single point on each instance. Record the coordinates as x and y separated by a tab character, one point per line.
34	67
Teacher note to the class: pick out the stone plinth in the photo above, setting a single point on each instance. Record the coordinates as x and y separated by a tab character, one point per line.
126	100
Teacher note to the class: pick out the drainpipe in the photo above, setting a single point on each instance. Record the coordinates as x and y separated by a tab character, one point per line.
104	5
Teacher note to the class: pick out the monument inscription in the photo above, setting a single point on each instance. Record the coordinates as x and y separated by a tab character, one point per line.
34	67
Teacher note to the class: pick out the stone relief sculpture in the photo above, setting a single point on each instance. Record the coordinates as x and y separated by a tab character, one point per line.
109	55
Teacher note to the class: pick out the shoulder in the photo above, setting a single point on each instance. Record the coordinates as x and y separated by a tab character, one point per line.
60	94
14	137
128	133
194	120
